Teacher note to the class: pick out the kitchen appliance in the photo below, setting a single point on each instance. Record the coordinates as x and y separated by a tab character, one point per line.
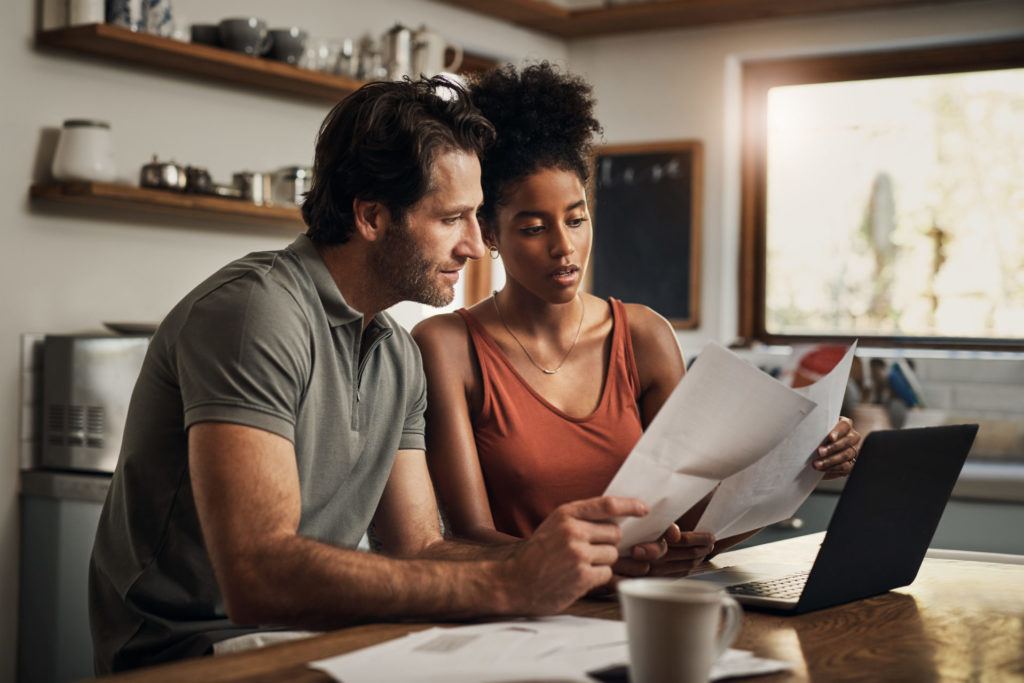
84	152
428	54
291	183
397	52
87	384
60	512
165	175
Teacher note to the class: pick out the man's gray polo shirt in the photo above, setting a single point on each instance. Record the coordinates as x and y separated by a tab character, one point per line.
266	342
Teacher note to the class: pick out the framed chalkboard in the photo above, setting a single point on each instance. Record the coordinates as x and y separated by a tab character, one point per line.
647	220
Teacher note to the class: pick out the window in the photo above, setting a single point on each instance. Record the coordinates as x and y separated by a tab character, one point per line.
883	198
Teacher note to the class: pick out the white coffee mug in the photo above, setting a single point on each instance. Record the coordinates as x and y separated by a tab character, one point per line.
677	628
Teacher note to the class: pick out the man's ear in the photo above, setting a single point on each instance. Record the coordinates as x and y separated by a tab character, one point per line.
371	219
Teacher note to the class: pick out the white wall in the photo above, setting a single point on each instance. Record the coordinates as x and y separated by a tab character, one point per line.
64	271
686	84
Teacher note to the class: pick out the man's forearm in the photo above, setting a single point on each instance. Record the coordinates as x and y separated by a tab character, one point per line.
302	582
501	548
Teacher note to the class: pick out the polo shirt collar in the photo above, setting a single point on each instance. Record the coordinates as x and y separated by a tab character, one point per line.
337	310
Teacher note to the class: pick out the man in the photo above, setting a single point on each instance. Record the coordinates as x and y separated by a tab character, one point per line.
279	413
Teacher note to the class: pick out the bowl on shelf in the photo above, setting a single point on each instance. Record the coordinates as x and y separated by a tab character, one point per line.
287	44
248	35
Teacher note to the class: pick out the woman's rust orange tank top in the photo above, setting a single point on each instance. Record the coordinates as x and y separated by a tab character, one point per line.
534	457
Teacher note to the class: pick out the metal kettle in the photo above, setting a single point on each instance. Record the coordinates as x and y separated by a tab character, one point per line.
397	52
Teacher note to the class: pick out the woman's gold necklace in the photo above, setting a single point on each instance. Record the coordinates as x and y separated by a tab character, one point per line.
583	310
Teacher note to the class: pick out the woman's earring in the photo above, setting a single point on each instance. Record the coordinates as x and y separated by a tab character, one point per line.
494	253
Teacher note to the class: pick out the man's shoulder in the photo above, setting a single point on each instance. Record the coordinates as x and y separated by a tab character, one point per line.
258	292
273	276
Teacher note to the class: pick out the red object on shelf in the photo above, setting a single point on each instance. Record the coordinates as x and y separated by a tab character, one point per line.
817	363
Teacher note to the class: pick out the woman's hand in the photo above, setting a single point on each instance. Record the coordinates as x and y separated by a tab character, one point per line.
838	453
684	555
642	555
676	553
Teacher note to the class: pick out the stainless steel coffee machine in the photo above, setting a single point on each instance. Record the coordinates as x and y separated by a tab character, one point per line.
87	384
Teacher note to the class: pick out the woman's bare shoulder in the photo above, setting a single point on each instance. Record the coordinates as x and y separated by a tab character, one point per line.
441	335
647	325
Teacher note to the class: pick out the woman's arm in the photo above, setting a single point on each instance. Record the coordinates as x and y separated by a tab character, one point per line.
452	382
660	366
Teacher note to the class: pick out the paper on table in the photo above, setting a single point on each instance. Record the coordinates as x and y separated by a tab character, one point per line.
722	416
775	486
561	648
452	654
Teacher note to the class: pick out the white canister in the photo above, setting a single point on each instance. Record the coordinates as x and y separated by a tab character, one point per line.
84	152
85	12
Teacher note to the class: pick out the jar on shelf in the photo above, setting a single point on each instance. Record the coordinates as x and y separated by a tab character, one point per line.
84	152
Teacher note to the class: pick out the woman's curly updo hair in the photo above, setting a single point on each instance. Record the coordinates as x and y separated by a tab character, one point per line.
543	118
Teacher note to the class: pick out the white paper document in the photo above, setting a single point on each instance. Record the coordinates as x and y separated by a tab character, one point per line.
722	417
775	486
562	648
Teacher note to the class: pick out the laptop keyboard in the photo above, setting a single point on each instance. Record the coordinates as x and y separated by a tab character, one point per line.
785	587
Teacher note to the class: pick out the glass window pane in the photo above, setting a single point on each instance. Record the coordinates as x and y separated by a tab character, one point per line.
895	207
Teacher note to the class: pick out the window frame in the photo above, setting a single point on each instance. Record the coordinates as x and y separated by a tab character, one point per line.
761	76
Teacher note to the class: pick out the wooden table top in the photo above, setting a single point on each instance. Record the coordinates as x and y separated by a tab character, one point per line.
960	621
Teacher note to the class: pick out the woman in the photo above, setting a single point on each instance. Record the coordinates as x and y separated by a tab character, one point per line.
538	393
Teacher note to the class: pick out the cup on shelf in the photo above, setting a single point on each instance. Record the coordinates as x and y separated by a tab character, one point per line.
84	152
247	35
677	628
85	12
205	34
290	185
254	186
287	44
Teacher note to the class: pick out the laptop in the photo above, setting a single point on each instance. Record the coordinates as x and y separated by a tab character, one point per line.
879	532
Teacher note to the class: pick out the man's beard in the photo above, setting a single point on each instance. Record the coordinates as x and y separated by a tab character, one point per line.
401	268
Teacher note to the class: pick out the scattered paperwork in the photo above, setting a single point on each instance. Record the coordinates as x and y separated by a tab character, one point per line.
722	417
775	486
561	648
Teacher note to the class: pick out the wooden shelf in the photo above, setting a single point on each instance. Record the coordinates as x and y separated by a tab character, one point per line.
169	203
216	63
199	60
544	16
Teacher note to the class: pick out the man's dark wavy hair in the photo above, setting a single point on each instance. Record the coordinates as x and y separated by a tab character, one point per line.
544	119
380	144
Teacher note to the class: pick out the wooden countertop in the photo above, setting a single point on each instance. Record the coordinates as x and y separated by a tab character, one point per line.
957	621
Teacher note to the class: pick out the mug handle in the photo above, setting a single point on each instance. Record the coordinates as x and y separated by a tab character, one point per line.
456	60
732	619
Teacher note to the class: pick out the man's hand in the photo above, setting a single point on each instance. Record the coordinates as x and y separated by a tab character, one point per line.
838	453
570	553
